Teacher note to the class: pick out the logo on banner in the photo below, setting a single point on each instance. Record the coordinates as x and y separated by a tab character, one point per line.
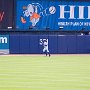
35	11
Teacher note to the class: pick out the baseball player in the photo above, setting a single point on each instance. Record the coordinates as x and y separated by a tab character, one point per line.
45	49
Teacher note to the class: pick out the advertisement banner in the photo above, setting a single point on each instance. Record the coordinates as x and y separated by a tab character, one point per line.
6	13
52	15
4	44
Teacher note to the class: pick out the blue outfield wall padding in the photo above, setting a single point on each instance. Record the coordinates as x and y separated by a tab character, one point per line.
53	44
81	44
24	44
14	44
87	43
30	44
41	38
71	44
34	44
62	44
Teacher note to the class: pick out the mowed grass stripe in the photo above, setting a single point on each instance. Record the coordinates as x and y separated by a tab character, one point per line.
45	73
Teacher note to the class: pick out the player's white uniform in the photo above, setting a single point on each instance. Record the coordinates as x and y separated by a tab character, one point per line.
45	44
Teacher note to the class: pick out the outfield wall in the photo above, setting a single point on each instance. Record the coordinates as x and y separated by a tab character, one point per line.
58	44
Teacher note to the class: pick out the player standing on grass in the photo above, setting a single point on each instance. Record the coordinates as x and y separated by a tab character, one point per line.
45	49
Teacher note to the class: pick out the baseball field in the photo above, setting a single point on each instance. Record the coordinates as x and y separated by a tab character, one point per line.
38	72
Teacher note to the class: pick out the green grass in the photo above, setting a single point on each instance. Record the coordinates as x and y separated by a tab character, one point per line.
63	72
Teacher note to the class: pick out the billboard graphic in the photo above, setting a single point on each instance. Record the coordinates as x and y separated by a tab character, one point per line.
53	15
4	44
6	13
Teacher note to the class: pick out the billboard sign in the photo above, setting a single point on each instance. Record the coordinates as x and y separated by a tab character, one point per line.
53	15
6	13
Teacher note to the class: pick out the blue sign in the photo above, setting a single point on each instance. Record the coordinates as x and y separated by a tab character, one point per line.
4	42
54	15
